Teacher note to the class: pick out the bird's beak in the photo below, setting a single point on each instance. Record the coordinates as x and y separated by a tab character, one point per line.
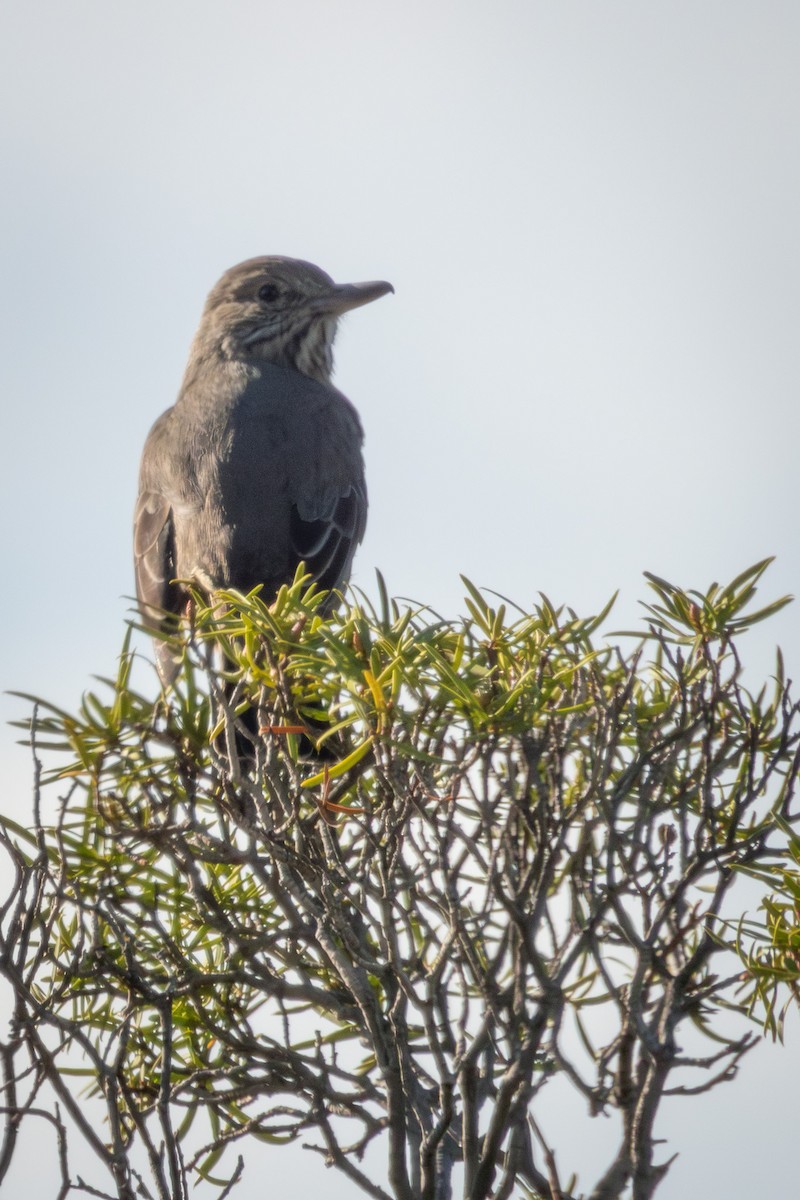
341	297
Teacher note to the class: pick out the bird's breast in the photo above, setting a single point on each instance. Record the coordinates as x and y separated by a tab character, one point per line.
278	442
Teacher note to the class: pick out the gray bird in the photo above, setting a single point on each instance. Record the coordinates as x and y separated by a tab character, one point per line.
258	465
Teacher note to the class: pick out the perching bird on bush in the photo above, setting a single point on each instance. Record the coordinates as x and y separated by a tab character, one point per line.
258	465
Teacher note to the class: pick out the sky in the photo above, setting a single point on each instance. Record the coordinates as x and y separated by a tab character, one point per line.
589	368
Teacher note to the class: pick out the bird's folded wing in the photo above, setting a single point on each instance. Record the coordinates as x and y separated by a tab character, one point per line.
154	554
324	534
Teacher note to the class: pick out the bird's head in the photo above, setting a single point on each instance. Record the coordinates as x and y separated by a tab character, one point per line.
282	311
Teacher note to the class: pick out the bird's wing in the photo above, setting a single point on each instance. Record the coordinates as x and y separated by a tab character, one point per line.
324	533
154	556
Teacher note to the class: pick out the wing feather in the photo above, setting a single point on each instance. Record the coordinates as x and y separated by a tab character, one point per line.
154	556
325	538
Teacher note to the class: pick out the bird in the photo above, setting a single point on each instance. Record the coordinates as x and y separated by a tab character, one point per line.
258	465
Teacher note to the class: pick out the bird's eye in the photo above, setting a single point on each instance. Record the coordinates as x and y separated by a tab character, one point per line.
269	293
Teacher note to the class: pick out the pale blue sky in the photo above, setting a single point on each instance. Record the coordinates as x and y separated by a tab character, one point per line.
590	366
